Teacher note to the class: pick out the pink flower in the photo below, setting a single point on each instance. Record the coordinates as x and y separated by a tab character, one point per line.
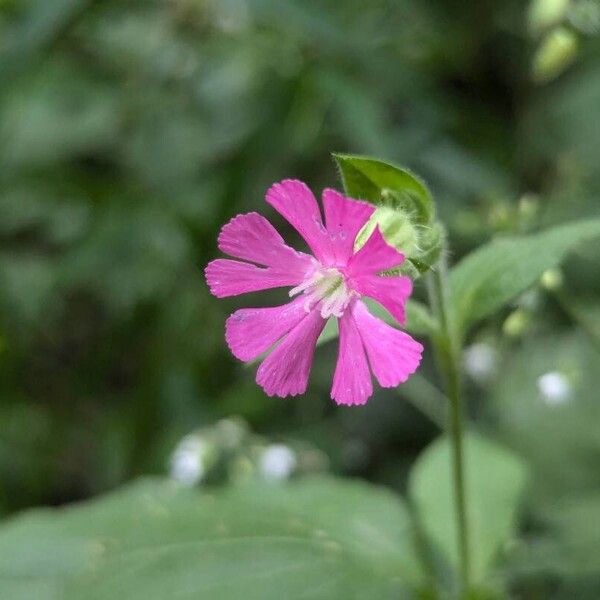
328	284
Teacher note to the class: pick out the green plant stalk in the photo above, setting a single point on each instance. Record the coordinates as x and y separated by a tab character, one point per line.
447	353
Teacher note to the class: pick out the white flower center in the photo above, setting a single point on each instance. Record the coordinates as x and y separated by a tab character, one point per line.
327	286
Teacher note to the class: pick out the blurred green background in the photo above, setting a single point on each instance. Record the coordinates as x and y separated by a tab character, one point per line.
132	130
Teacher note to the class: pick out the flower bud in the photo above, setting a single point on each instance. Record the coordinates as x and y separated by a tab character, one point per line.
529	205
420	244
555	388
277	462
480	361
405	209
544	14
192	459
552	279
516	323
556	52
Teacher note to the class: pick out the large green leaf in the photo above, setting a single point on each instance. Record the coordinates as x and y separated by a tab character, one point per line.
494	482
488	278
371	179
318	538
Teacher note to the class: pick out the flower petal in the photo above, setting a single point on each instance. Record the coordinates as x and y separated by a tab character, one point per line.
352	378
251	331
251	237
393	354
391	292
344	218
285	371
294	201
375	256
230	277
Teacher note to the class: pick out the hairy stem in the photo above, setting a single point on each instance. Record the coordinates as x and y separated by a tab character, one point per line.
447	354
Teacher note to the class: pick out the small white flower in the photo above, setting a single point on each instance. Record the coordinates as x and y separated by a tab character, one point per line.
555	388
480	361
277	462
187	465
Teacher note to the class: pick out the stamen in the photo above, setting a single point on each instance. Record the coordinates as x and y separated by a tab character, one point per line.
327	286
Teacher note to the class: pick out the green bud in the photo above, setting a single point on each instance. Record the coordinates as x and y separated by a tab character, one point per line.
516	323
501	217
396	227
552	279
556	52
405	209
544	14
240	468
231	433
420	244
529	205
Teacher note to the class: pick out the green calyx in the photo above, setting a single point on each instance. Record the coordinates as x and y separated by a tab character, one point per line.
420	244
405	210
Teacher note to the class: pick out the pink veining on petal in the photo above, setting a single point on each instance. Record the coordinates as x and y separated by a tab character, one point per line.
344	218
296	203
227	277
251	237
375	256
251	331
352	379
390	292
285	371
393	354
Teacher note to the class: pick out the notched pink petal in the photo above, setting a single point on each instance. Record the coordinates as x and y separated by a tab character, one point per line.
344	218
375	256
285	371
393	354
391	292
293	200
227	277
251	237
352	379
251	331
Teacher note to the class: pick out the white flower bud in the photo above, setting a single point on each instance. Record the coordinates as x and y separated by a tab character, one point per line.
188	462
480	361
277	462
554	388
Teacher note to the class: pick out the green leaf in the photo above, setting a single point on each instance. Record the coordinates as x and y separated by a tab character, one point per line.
491	276
494	482
385	184
317	538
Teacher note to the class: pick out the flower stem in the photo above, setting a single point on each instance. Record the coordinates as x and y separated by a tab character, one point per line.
447	353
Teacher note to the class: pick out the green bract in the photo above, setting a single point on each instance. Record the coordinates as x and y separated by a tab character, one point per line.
405	209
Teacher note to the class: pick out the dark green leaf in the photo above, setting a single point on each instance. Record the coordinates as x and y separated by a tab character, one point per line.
385	184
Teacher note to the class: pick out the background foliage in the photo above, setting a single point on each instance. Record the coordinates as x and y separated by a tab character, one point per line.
132	130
